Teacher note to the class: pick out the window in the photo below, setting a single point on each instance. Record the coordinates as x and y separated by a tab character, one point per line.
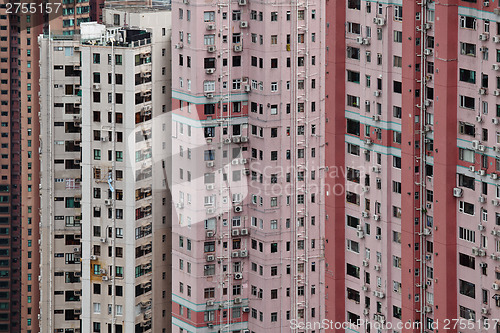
398	36
353	101
354	28
398	13
353	76
209	16
353	53
467	288
354	4
466	155
467	75
468	49
467	234
468	22
466	208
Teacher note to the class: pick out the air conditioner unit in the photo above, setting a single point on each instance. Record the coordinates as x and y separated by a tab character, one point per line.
481	172
495	286
359	40
361	234
485	310
481	227
368	142
377	93
376	117
211	48
210	257
209	233
482	91
428	205
77	311
483	265
366	312
246	172
238	209
244	139
427	231
376	169
495	202
483	37
378	237
179	45
366	263
428	102
235	232
471	168
494	233
209	95
365	288
211	26
210	70
247	88
236	139
481	198
376	217
210	303
244	232
458	192
210	210
427	309
242	2
493	256
210	325
179	205
486	4
475	251
380	21
243	24
475	144
245	309
107	202
92	257
365	214
496	92
238	48
496	149
102	271
237	300
365	188
97	86
210	187
496	67
243	253
496	11
481	253
366	41
428	52
210	164
238	276
235	254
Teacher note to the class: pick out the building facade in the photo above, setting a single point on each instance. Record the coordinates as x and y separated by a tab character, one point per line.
416	130
247	165
106	235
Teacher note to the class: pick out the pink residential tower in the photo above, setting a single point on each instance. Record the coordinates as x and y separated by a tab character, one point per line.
248	146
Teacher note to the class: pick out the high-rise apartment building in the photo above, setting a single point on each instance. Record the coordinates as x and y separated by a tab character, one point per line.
20	166
105	219
247	170
415	129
